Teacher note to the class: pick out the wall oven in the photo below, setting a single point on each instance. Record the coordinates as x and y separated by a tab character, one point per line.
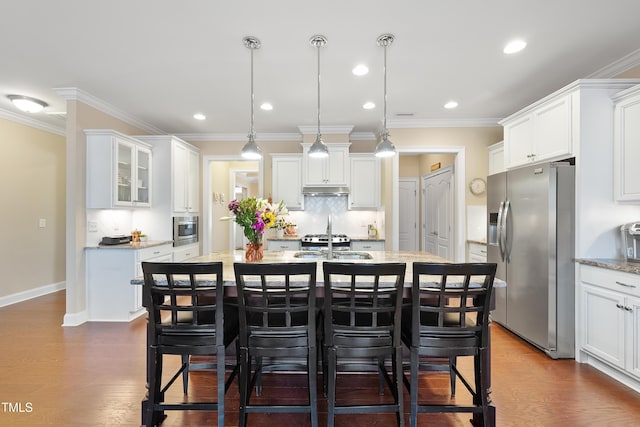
185	230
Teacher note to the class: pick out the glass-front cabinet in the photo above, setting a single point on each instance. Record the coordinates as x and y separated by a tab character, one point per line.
118	170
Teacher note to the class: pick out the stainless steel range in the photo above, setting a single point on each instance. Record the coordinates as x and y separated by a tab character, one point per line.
318	242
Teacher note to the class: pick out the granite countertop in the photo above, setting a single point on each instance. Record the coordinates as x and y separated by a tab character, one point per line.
611	264
285	237
229	257
367	239
133	245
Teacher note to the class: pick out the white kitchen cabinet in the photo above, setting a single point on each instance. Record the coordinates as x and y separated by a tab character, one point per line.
109	270
367	245
477	252
626	139
365	181
286	180
329	171
541	132
609	322
283	245
119	170
182	253
496	158
186	175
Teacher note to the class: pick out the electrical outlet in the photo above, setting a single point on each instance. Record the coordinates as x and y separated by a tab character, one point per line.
92	226
42	223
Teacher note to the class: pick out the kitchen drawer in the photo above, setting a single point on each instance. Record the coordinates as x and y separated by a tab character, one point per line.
284	245
186	252
154	252
618	281
477	252
363	245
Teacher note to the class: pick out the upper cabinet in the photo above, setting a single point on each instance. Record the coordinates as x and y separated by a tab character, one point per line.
286	180
541	132
626	134
179	166
186	174
119	170
365	181
496	158
328	171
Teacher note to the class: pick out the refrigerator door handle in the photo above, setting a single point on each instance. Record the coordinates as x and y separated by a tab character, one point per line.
500	231
505	221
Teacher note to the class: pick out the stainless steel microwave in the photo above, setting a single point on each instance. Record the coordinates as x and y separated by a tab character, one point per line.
185	230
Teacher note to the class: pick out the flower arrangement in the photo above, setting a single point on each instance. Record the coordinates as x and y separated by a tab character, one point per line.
255	215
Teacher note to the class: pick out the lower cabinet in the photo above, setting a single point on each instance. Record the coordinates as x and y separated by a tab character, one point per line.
477	252
367	245
110	295
609	322
182	253
283	245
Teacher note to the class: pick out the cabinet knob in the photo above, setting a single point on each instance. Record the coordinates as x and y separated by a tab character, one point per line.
620	306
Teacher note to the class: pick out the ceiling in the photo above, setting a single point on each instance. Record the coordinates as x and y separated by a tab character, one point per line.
161	61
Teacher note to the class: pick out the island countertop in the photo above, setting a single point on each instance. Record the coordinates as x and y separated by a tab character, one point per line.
228	258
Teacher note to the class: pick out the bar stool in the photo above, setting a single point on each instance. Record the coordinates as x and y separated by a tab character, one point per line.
449	317
362	316
276	305
187	316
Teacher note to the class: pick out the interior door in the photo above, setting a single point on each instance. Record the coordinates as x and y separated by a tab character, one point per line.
408	214
438	213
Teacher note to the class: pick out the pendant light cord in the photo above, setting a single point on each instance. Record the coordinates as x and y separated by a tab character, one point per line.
252	95
318	48
385	87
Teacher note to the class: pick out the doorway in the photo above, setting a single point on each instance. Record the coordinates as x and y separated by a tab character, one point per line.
218	178
408	214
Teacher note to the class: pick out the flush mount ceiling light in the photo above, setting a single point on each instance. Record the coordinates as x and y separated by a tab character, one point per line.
385	148
318	148
514	46
27	104
251	149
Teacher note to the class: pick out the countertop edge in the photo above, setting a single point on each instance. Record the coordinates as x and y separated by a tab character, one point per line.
137	245
611	264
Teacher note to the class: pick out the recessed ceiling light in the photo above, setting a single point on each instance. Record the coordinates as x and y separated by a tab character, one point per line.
514	46
27	104
266	106
368	105
199	116
360	70
450	105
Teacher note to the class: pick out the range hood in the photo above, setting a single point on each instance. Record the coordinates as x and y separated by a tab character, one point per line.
325	191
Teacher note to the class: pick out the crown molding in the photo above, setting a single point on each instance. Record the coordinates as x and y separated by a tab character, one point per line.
441	123
77	94
239	136
325	130
618	67
31	122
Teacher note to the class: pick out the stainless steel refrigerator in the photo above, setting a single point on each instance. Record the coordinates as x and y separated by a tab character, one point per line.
530	235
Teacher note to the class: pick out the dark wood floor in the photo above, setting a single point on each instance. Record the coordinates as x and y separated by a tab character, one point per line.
94	375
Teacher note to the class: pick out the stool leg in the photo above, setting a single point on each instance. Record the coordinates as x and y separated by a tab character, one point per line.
185	373
331	392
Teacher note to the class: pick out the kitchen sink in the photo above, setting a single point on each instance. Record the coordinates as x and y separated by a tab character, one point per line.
336	255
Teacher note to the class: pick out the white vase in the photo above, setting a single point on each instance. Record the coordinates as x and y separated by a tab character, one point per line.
279	233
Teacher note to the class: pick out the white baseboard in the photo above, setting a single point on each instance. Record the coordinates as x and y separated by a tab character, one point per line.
31	293
75	319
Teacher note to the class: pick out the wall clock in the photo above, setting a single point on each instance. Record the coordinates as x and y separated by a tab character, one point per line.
477	186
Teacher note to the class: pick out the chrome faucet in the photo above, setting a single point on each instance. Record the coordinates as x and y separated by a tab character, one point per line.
330	238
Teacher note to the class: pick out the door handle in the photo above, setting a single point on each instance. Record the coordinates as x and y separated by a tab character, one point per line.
505	237
499	227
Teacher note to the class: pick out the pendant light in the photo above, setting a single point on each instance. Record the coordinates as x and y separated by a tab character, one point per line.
385	147
251	150
318	148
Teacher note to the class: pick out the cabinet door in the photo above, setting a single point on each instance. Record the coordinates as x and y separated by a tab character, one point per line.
193	181
283	245
365	183
552	129
633	336
124	173
603	332
627	149
361	245
496	158
179	178
143	177
336	167
287	181
315	171
518	142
